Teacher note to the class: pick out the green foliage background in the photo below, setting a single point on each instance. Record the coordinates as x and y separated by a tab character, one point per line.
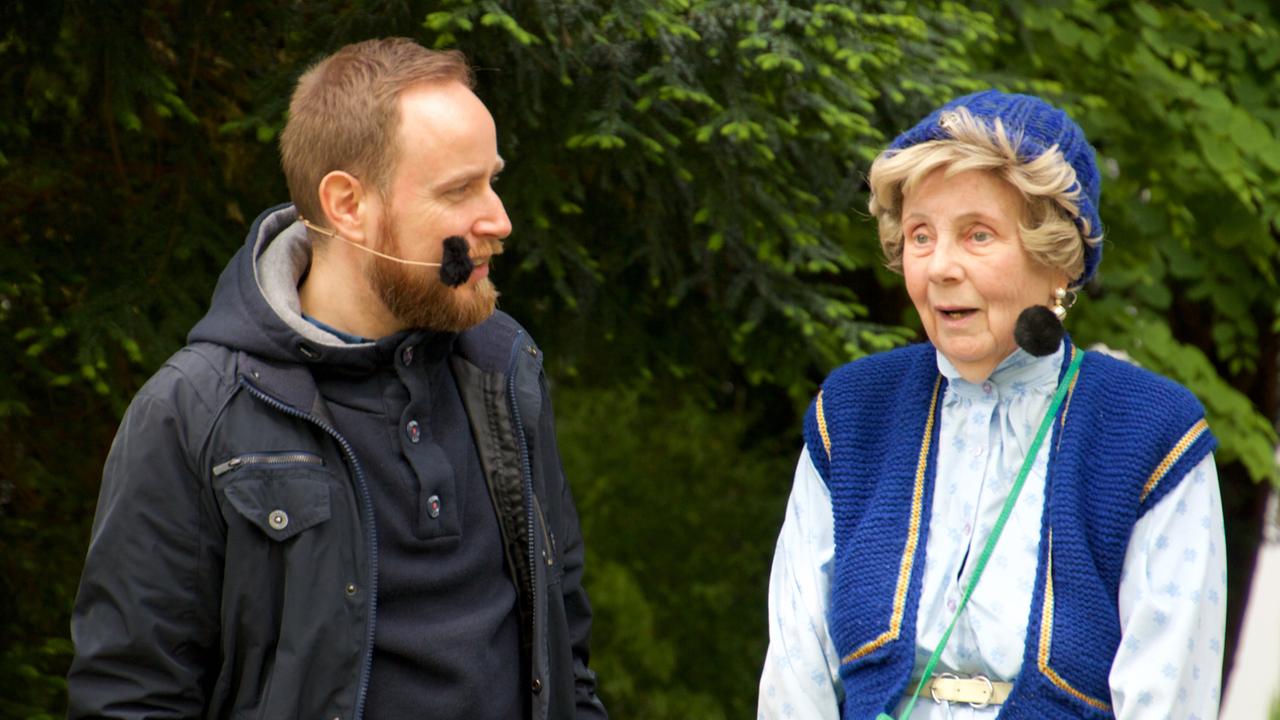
691	248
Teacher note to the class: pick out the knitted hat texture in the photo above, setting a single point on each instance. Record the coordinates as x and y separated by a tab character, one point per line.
1037	126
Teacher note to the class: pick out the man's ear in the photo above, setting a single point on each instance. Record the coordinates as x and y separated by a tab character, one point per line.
348	207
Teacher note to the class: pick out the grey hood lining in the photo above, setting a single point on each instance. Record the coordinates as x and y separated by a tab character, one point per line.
281	262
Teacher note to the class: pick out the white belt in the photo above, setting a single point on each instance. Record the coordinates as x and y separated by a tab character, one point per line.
978	691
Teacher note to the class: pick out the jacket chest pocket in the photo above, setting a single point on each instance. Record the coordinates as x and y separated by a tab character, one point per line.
281	494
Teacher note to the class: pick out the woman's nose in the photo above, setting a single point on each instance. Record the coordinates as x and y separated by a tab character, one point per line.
945	263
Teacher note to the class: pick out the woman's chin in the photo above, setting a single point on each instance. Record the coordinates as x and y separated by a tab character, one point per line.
974	359
964	350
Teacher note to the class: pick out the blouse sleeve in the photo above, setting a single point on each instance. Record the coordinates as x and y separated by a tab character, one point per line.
1173	606
801	669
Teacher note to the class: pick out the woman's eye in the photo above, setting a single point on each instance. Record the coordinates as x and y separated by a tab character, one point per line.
920	239
982	236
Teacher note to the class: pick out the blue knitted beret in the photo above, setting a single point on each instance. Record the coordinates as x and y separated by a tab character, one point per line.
1038	126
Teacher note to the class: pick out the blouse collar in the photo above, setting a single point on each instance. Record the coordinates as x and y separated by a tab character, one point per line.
1017	374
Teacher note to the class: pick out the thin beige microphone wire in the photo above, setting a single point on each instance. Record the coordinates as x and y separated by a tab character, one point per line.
336	236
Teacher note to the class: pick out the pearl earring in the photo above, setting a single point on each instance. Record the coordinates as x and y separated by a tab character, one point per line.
1063	299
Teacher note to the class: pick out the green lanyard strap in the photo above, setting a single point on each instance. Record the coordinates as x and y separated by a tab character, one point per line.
1005	512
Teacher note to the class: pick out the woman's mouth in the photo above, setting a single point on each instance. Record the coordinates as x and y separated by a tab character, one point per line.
956	313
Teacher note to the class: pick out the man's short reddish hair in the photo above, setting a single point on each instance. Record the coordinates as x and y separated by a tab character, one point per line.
344	114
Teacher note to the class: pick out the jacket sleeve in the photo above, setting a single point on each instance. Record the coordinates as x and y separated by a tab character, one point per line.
145	619
577	607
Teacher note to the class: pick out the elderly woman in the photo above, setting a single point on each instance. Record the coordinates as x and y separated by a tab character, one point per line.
1098	549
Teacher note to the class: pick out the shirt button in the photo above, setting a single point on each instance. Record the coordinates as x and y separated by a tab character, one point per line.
351	588
986	387
433	506
537	686
278	520
415	432
951	604
978	450
968	528
407	355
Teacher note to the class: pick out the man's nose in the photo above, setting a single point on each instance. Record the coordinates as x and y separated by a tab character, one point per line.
494	223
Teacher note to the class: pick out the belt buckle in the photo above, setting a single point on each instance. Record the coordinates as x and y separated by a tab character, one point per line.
933	690
991	690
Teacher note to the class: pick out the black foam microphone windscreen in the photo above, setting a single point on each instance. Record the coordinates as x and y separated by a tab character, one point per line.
456	266
1038	331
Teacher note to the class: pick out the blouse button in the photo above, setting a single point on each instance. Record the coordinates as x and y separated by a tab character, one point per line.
415	432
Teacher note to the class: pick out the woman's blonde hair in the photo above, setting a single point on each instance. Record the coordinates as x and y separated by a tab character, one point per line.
1047	183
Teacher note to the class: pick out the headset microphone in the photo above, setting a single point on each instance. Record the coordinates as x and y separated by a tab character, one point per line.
457	265
454	270
1038	331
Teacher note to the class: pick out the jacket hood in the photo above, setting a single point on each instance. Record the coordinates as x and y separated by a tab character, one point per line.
255	306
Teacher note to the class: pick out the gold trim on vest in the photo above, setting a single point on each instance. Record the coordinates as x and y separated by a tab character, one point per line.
822	427
1046	639
913	539
1071	391
1200	428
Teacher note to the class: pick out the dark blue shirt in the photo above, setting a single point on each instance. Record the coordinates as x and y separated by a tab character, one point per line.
447	641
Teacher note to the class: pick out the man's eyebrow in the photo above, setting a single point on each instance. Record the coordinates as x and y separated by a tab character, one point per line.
467	175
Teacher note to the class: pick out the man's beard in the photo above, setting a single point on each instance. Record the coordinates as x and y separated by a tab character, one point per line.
418	299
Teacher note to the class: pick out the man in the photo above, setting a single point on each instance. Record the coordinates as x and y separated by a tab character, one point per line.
343	498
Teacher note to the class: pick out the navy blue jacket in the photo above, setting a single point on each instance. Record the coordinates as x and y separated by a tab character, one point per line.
232	569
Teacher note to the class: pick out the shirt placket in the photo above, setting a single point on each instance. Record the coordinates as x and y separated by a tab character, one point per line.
963	645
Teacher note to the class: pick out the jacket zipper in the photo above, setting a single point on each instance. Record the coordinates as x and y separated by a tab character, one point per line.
240	461
527	474
350	454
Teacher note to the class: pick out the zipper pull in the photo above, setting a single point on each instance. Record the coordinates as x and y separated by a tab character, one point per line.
228	466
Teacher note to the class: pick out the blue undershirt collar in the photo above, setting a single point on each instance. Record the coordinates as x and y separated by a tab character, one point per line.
343	336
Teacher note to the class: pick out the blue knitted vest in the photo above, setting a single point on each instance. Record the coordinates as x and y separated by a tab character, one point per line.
1123	438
